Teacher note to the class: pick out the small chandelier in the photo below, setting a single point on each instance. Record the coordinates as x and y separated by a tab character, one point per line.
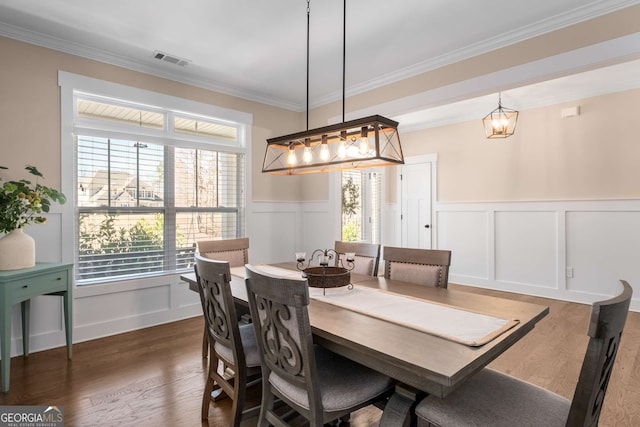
501	122
361	143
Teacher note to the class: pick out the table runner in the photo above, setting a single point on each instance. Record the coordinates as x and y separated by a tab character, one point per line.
455	324
466	327
268	269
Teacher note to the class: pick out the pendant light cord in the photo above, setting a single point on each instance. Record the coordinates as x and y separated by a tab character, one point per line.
344	50
308	15
344	55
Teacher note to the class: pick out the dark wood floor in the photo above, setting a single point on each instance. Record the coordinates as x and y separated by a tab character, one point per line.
155	376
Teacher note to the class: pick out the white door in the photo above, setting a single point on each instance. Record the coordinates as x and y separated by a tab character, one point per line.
415	199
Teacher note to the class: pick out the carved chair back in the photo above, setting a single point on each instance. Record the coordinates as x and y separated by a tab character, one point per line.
605	329
279	310
221	322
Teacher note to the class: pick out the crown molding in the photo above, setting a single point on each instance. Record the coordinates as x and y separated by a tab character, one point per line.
575	16
535	29
434	107
83	51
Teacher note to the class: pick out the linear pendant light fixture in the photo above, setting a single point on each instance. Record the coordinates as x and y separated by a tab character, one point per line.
501	122
361	143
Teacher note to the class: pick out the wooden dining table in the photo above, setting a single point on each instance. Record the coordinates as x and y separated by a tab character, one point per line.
422	363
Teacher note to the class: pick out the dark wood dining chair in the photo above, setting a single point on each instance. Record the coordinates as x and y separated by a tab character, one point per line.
421	266
491	398
230	343
367	256
318	384
234	251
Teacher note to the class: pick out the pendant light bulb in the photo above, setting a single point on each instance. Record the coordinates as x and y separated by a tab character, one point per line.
291	158
324	149
500	124
342	147
364	141
306	154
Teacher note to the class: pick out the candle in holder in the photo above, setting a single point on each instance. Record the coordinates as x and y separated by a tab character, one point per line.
300	256
351	256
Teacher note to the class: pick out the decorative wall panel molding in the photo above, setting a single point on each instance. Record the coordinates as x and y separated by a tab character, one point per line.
569	250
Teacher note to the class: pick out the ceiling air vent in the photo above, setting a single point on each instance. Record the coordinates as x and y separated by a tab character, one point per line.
170	58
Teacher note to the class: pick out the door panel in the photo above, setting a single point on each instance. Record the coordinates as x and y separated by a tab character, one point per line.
416	205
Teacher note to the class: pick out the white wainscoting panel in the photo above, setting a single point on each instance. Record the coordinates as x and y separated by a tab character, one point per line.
49	318
274	231
48	237
569	250
46	325
602	246
117	307
526	248
318	228
185	299
113	306
466	235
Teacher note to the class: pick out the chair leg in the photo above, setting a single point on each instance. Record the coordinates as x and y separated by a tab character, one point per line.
205	343
266	408
206	397
239	393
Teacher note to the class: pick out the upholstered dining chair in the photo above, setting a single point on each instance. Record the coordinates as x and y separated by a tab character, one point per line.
230	343
234	251
491	398
319	385
367	256
422	266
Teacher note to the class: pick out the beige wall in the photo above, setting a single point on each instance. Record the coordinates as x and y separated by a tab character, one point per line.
591	156
30	113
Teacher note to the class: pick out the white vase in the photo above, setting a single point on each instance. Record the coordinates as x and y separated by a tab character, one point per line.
17	250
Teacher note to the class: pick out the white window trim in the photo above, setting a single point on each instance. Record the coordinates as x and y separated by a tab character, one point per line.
158	135
69	84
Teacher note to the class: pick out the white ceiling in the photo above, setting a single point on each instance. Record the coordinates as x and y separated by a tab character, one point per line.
257	49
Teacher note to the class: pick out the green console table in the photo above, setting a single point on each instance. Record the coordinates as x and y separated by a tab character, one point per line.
19	286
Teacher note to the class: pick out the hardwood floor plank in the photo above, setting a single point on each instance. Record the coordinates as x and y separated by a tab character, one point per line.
155	376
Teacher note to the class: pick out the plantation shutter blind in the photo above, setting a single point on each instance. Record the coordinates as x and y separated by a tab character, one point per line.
133	221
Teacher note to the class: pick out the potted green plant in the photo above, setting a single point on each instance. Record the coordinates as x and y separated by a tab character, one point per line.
21	203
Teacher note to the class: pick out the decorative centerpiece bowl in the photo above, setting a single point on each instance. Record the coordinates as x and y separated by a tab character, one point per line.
327	277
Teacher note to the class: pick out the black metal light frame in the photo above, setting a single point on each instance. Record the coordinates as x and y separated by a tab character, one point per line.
501	122
362	143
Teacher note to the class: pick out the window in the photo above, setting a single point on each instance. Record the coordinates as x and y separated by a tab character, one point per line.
361	206
149	183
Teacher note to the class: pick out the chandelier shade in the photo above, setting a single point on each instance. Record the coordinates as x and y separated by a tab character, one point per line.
361	143
501	122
